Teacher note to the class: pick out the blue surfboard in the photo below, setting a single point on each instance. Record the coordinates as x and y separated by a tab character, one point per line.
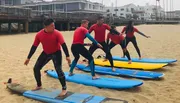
146	60
122	72
102	82
50	95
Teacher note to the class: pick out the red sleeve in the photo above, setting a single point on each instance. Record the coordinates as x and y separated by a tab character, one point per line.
85	31
136	30
36	40
60	38
123	30
91	29
107	27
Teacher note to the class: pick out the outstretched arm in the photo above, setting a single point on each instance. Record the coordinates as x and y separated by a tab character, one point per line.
61	41
93	40
123	30
143	34
65	49
32	51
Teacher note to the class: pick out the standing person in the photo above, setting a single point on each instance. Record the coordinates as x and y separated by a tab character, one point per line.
117	38
100	34
130	37
51	40
78	48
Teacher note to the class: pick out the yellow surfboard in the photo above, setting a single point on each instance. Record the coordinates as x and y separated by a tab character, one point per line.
133	65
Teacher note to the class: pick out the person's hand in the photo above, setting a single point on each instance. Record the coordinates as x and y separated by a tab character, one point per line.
99	45
148	36
88	44
26	62
68	60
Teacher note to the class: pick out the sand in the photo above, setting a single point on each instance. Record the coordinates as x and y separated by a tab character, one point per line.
164	43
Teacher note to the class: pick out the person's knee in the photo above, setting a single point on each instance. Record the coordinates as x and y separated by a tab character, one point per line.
59	71
36	68
76	58
90	58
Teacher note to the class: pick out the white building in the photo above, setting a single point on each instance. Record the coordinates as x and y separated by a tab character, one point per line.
66	6
125	11
173	14
148	12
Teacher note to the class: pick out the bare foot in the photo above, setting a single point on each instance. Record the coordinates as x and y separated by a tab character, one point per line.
95	77
105	60
71	74
129	62
140	58
63	93
37	88
113	69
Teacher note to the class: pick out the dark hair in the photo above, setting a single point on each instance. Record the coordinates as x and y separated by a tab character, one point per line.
113	31
48	21
113	26
100	17
129	27
84	21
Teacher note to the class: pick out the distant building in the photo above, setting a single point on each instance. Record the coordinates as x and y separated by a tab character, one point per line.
125	11
173	14
148	12
64	6
16	2
57	5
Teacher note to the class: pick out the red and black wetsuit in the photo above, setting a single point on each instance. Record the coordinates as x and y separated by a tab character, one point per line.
131	38
117	39
51	43
78	48
100	35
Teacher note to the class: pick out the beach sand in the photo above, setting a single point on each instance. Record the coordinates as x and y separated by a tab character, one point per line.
164	43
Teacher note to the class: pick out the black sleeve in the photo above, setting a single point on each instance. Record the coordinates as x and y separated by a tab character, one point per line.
85	44
112	31
32	51
65	49
107	41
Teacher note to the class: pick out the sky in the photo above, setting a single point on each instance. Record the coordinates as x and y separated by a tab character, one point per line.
165	5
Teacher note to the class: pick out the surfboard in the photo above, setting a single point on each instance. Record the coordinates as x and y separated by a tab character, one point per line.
50	95
146	60
102	82
133	65
122	72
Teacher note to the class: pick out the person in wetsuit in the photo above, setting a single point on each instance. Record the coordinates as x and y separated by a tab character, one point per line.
129	31
117	38
78	48
100	34
52	41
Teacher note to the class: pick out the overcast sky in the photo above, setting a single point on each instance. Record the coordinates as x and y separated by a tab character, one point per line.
176	3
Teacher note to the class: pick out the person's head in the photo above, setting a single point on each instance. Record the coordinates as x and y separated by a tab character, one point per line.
100	20
130	23
49	25
113	30
113	27
84	23
129	27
